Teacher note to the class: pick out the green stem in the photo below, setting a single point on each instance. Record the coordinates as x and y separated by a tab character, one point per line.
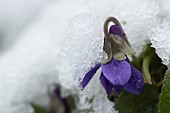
145	68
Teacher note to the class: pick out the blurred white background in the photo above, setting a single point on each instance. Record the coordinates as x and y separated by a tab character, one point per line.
15	15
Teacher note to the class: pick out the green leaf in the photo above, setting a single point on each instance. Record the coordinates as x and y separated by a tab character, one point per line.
164	104
146	102
38	109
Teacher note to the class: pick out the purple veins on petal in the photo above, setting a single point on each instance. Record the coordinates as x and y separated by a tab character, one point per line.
118	72
88	76
135	84
106	84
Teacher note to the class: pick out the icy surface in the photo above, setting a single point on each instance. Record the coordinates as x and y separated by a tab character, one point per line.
85	43
160	39
160	33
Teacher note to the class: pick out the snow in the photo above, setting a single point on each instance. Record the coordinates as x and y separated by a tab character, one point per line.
63	43
28	68
159	36
85	43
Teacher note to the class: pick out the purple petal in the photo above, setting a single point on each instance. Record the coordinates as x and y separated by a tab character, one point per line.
118	72
118	88
117	30
106	84
88	76
135	84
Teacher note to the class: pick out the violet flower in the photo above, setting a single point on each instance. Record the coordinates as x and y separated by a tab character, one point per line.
117	74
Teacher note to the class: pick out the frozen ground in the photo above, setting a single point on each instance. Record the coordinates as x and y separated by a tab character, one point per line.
36	60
